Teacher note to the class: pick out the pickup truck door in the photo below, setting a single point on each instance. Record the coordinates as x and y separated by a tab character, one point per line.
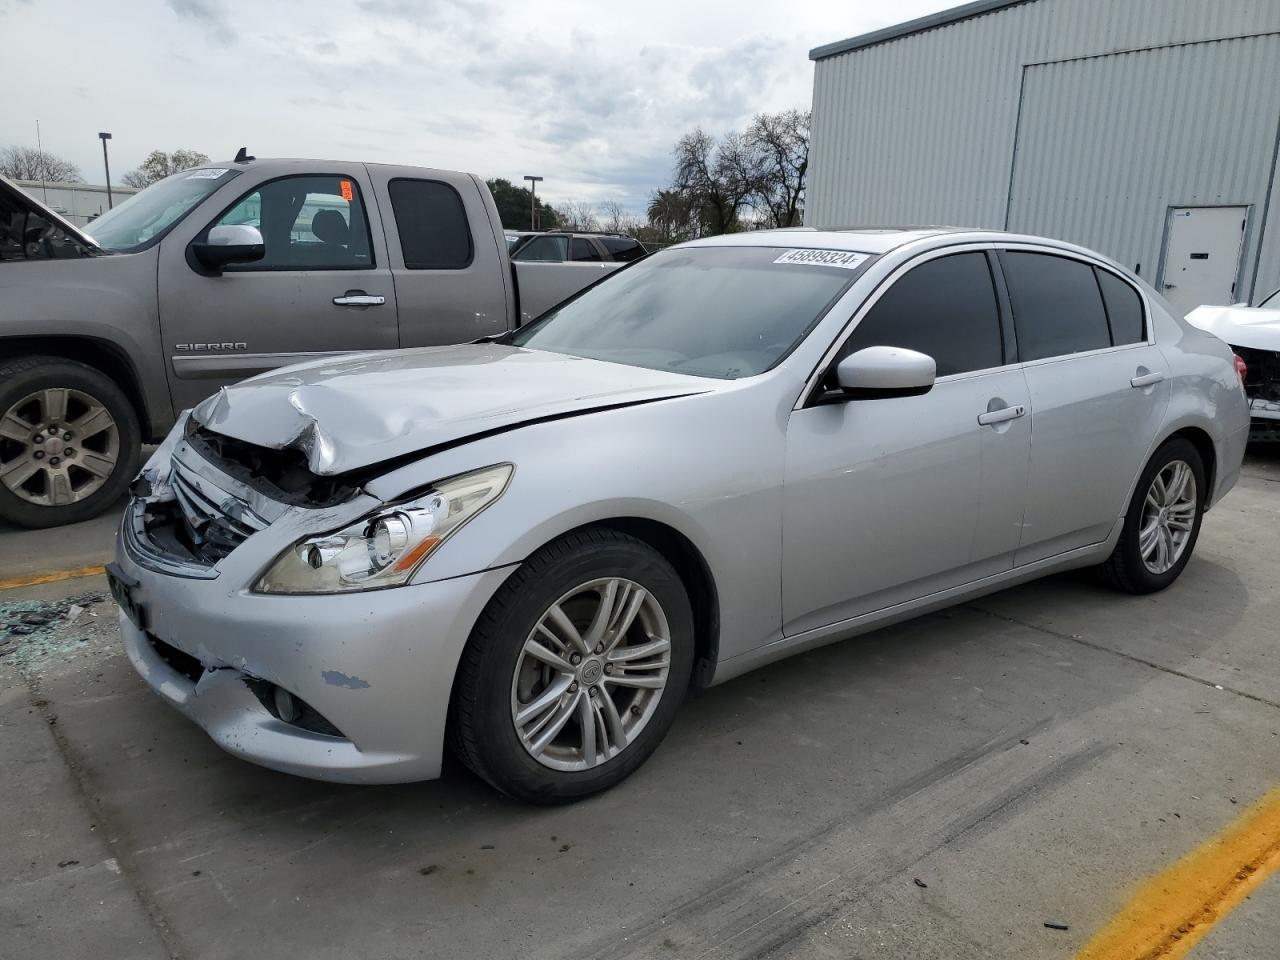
323	288
448	255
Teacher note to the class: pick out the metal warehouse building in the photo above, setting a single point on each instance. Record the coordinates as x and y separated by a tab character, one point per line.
1146	129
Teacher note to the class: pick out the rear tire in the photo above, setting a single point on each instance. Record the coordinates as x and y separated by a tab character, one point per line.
50	477
624	683
1162	523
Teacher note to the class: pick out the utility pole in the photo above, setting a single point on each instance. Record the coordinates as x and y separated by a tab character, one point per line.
533	201
104	137
44	187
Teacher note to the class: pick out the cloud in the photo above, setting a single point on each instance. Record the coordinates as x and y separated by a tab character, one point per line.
593	98
209	13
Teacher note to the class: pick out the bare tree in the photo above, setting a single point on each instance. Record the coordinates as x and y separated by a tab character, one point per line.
159	165
577	215
614	219
782	142
718	178
28	163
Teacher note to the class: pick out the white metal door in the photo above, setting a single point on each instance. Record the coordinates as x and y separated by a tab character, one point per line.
1203	256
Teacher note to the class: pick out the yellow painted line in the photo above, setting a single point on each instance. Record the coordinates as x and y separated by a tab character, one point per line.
51	576
1173	911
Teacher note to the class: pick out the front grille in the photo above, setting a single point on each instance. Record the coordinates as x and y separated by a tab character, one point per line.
215	522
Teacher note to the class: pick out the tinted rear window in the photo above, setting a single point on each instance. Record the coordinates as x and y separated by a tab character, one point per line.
1057	309
1124	308
432	224
582	249
945	308
624	248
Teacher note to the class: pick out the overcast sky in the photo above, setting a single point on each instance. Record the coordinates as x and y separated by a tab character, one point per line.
590	94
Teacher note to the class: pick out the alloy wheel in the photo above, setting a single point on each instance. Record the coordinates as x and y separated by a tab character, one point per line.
591	674
1168	516
57	446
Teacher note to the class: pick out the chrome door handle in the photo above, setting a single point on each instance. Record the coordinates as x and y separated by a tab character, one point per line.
359	300
1146	379
1001	415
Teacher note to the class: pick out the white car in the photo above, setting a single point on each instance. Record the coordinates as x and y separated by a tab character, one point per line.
1254	334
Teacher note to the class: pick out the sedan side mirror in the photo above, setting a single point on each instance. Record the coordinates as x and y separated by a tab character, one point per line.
230	243
879	372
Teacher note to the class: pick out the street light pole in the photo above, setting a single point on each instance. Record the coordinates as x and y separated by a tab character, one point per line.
104	137
533	202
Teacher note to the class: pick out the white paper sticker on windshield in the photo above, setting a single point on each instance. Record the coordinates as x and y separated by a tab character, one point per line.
827	258
211	173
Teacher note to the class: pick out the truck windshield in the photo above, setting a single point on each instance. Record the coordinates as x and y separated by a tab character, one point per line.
723	312
142	219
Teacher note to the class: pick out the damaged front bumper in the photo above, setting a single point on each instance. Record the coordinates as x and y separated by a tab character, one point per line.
368	675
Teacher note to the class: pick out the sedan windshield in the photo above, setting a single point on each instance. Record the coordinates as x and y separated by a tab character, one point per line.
144	218
1272	302
724	312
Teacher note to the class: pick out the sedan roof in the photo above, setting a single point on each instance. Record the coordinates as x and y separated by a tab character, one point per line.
875	240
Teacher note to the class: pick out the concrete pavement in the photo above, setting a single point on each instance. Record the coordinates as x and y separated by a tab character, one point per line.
1028	758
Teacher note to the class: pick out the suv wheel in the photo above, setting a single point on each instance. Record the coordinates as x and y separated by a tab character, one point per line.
69	442
574	671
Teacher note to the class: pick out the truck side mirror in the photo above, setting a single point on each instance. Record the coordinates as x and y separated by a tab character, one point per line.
229	243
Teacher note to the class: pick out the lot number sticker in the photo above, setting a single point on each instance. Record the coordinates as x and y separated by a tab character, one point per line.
212	173
826	258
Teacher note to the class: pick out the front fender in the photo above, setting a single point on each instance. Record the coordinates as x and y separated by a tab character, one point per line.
672	462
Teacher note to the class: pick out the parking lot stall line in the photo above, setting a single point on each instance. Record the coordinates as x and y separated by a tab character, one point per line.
50	576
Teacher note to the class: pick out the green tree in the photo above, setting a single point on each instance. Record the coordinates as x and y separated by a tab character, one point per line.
159	165
513	206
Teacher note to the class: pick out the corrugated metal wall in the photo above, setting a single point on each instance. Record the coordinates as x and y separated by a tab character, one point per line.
922	129
1107	144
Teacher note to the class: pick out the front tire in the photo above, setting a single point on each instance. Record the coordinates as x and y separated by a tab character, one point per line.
574	672
69	441
1163	521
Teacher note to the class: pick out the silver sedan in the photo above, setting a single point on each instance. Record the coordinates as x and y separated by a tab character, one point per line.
732	451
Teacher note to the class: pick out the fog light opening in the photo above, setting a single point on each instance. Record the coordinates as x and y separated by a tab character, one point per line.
287	708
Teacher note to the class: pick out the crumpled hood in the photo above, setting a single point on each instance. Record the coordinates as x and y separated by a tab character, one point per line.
1240	326
366	408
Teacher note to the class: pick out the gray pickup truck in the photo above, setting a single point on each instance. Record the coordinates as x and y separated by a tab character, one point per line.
219	273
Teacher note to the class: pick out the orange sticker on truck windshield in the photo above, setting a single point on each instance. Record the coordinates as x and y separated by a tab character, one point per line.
345	187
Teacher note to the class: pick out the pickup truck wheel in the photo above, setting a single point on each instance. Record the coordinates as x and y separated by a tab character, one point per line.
69	441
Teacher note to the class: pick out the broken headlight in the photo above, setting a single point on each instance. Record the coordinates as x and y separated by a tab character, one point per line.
387	547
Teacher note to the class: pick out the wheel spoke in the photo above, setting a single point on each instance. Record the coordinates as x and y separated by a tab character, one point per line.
549	657
60	488
1159	489
618	629
626	680
555	690
587	723
561	716
53	403
96	463
604	613
639	652
19	470
557	616
94	420
614	735
13	427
